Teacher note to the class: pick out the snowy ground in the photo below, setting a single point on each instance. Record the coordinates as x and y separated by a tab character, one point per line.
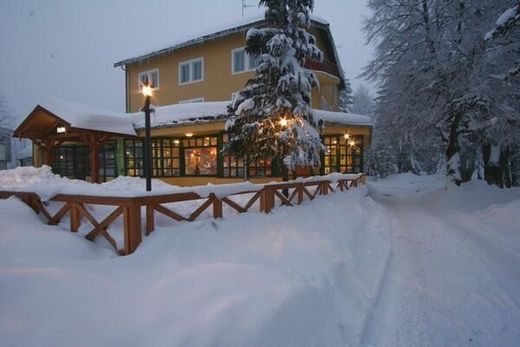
402	262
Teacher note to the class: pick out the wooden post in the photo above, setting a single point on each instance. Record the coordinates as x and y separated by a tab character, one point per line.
132	227
217	206
94	141
265	200
150	219
75	217
300	193
94	162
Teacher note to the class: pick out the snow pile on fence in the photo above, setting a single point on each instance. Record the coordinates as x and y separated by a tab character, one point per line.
47	184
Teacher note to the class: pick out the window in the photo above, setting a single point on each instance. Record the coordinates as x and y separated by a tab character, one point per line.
232	165
191	71
331	156
200	156
151	76
134	157
344	154
72	161
260	168
188	101
166	157
107	160
241	61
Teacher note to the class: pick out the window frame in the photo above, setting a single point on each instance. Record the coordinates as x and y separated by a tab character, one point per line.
148	72
190	64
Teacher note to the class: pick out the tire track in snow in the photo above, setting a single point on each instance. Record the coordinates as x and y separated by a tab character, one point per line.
382	283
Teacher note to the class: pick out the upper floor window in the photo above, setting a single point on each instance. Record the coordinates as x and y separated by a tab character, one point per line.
150	76
241	61
188	101
191	71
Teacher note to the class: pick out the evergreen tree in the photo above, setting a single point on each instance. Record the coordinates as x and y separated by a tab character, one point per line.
272	117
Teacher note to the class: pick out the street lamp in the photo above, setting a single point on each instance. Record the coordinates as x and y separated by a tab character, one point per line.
147	92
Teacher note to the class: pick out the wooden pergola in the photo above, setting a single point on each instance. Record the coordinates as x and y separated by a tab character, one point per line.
48	131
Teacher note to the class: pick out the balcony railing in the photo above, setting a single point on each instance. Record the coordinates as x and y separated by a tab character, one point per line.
325	66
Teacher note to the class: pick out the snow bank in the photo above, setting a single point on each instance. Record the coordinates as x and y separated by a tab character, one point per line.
407	187
284	279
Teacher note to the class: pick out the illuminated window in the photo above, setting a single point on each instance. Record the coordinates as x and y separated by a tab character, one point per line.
343	155
166	157
200	156
134	157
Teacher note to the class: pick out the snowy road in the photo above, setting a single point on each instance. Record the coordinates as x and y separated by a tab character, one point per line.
449	280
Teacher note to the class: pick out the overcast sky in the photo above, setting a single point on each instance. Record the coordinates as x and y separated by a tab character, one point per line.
66	48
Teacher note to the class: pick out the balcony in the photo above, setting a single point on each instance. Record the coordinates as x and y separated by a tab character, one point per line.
325	66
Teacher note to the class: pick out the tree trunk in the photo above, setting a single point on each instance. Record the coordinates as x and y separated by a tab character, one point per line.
453	151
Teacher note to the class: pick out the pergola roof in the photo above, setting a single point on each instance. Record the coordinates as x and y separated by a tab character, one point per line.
76	118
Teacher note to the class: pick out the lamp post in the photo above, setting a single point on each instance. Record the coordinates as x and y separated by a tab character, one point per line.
147	92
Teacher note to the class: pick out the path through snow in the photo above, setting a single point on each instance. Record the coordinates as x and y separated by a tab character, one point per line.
450	281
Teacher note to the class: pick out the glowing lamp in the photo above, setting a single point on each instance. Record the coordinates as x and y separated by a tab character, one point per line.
146	90
189	134
283	122
61	130
346	136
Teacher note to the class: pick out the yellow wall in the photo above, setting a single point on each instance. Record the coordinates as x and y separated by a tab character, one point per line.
218	83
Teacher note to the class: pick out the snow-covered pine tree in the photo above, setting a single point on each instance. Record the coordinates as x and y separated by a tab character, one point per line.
272	117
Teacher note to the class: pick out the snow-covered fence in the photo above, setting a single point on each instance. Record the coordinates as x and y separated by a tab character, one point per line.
130	208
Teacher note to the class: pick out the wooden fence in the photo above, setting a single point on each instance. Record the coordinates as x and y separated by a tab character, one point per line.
130	208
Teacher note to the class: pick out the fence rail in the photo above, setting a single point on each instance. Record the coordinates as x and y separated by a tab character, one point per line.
130	208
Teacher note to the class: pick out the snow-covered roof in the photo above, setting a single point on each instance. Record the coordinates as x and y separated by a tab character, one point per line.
183	114
207	35
89	118
342	118
206	112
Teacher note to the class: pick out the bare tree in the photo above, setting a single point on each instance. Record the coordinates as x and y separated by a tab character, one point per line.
6	116
363	101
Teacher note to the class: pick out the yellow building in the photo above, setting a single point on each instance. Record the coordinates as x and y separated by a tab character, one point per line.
193	82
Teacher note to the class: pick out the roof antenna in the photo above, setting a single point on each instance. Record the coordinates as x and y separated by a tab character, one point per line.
244	6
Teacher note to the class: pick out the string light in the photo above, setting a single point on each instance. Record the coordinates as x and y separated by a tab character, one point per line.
283	122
